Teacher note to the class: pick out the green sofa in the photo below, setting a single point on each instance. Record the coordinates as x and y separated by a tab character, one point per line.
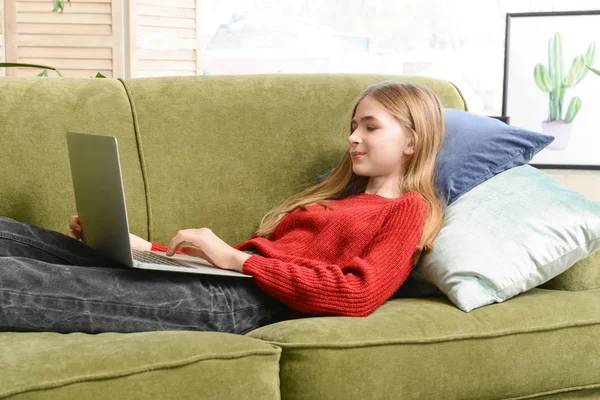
220	151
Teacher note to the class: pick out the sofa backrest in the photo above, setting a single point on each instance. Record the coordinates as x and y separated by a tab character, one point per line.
35	114
202	151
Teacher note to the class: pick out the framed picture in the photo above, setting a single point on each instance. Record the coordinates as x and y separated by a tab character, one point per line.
548	87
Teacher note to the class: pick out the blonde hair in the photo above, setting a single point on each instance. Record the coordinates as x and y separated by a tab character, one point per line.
421	115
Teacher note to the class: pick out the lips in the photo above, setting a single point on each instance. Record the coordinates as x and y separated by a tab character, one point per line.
356	153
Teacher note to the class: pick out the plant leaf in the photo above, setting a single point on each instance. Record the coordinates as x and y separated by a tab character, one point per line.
594	70
555	66
590	55
574	107
576	72
99	75
3	65
542	78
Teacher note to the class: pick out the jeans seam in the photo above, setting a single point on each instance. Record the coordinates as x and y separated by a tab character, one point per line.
124	304
55	252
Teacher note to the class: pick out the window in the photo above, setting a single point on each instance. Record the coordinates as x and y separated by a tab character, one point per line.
461	41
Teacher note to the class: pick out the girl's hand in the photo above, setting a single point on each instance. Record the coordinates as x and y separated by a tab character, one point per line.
76	232
206	245
137	243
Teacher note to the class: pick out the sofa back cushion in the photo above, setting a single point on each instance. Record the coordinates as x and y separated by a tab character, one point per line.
221	151
36	113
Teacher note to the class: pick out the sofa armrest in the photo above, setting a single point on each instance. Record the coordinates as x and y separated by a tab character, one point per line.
583	275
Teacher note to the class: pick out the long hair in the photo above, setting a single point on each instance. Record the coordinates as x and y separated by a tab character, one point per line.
421	115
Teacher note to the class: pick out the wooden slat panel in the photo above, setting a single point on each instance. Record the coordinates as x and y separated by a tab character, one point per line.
131	56
163	37
2	20
67	5
85	38
73	73
161	32
164	21
65	18
118	23
10	19
69	40
64	52
2	55
74	7
2	70
146	73
61	63
173	3
170	11
199	39
166	44
72	29
180	55
156	65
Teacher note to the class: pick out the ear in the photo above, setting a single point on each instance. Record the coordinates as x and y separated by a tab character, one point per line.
410	147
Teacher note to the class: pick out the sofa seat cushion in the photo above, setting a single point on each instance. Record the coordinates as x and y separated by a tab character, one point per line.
146	365
537	343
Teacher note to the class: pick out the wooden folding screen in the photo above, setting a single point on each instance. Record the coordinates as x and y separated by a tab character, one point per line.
85	39
2	54
163	38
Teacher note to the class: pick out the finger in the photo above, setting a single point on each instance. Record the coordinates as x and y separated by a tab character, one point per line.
174	245
179	239
74	223
196	252
193	251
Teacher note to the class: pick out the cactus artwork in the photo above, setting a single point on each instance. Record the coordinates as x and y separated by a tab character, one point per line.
555	82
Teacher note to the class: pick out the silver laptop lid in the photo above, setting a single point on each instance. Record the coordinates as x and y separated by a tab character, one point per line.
99	194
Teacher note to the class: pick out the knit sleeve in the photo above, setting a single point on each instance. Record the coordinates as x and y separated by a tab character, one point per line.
360	286
160	247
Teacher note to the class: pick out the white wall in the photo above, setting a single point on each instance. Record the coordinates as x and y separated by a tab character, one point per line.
582	181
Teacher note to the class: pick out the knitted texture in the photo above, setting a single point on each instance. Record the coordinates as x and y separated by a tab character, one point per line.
347	260
344	261
160	247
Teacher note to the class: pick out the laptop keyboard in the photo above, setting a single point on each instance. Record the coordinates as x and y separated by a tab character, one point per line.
146	256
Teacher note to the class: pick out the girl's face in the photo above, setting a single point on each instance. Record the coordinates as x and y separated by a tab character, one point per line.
380	136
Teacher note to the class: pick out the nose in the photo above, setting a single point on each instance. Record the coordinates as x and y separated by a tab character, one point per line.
353	138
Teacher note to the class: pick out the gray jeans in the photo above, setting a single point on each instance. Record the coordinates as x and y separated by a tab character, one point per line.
52	282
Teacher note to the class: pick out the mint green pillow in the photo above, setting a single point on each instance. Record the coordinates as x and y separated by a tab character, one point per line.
509	234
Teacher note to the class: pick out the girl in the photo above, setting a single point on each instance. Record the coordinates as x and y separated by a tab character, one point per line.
341	247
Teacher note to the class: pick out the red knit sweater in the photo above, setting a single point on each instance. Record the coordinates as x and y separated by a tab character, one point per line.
345	261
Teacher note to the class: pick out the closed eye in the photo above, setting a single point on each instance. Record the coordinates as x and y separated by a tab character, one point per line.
369	128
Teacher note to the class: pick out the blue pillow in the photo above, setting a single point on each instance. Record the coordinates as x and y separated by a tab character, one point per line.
477	148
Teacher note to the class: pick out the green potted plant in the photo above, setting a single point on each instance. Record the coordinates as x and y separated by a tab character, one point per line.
59	5
553	81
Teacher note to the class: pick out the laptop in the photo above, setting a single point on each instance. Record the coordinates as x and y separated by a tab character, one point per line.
100	202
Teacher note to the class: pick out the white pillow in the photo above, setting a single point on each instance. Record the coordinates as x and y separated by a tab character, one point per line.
510	234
